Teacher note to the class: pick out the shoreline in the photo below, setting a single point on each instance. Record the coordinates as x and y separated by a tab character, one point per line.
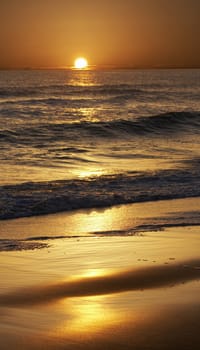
98	291
121	219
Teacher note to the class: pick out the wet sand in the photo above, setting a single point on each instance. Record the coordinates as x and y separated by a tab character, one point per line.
138	291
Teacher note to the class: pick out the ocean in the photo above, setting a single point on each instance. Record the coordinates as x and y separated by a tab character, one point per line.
75	139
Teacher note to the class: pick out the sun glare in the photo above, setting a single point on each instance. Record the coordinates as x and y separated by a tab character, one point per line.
80	63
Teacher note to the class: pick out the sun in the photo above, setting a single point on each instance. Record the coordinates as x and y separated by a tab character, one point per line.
80	63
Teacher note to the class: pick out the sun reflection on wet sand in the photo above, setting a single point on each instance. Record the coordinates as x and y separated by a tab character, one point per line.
88	316
99	221
126	320
70	315
85	222
94	272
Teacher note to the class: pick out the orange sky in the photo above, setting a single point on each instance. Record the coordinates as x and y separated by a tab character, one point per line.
136	33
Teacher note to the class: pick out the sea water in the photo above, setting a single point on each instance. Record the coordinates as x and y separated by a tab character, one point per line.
73	139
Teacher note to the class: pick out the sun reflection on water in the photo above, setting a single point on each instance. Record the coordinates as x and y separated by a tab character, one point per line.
83	78
89	114
90	172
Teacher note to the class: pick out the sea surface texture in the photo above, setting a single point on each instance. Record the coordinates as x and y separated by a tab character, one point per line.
85	139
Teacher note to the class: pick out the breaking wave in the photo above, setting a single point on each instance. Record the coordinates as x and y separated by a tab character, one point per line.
29	199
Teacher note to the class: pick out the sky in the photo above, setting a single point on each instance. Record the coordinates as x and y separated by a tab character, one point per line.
122	33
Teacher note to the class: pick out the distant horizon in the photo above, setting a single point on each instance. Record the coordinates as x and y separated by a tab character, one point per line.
99	68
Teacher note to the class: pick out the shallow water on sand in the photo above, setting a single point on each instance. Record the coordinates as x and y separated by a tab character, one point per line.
107	292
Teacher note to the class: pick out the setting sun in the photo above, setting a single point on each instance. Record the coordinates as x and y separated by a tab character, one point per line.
80	63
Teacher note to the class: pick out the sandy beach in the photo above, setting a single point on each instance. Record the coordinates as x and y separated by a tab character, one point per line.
105	282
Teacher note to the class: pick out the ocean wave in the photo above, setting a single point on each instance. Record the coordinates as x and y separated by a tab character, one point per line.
68	89
167	123
69	100
29	199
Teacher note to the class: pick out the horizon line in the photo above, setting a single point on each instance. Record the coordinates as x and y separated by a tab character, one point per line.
100	67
